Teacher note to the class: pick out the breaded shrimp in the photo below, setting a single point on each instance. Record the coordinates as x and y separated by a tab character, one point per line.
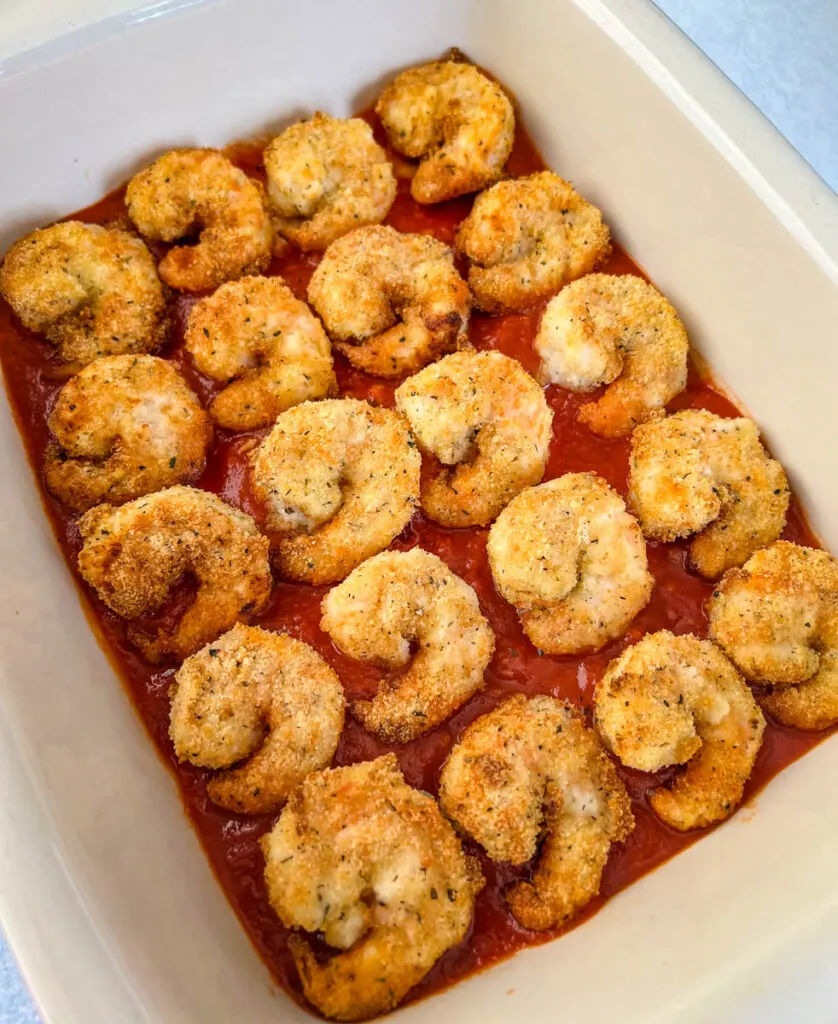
90	290
528	237
407	610
391	302
620	331
678	700
264	699
124	426
134	555
339	480
572	561
327	176
199	191
486	420
458	122
530	777
777	619
269	347
371	864
697	473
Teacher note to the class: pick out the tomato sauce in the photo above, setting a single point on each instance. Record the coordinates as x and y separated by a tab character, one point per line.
33	379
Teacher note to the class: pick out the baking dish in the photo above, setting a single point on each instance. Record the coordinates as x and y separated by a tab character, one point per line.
107	897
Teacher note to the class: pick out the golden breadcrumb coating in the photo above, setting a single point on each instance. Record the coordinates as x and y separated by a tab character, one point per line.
407	610
529	778
528	237
124	426
486	420
391	302
264	702
134	555
572	560
369	863
90	290
619	331
697	473
455	120
777	619
326	176
266	344
340	481
199	191
678	700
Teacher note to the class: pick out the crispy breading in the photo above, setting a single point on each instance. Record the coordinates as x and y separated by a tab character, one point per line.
124	426
391	302
134	555
619	331
697	473
486	420
262	701
90	290
407	610
777	619
572	560
327	176
526	238
670	700
527	778
199	191
455	120
266	344
372	865
340	481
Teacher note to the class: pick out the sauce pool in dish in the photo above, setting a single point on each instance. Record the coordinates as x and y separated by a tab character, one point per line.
33	380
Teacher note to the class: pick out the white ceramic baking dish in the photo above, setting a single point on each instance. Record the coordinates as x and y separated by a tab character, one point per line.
104	890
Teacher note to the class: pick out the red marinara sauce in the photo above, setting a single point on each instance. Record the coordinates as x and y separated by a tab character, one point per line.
33	379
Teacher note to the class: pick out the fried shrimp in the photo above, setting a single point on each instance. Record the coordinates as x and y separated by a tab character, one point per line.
671	700
619	331
459	123
486	420
90	290
697	473
777	619
133	556
391	302
372	865
124	426
530	771
267	344
264	699
398	603
339	480
189	192
572	561
528	237
327	176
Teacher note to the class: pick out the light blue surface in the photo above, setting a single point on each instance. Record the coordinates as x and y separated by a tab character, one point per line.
782	55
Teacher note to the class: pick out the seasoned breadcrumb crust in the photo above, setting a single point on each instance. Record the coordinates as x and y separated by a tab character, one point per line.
90	290
372	865
678	700
265	344
529	778
132	557
189	191
339	480
124	426
327	176
407	610
260	701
